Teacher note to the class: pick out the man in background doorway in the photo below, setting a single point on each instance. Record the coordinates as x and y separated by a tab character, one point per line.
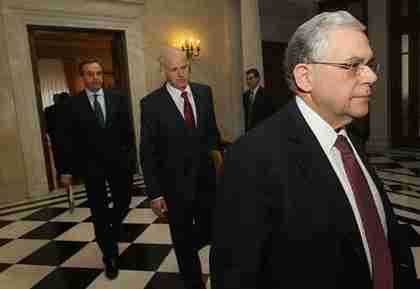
96	141
258	105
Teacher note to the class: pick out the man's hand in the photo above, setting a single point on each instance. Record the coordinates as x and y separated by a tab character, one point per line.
66	180
159	207
218	161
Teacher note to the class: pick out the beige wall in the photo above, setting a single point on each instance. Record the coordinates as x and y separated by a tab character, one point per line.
23	170
213	22
149	26
12	172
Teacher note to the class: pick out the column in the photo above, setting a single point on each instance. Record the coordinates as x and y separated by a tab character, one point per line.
13	184
380	117
251	36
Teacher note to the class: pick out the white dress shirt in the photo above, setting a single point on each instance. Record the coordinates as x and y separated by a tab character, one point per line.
327	137
101	99
175	94
252	94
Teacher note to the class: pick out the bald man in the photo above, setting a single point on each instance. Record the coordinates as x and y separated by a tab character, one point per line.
179	138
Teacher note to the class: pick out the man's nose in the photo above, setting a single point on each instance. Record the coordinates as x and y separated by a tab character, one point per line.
373	75
370	74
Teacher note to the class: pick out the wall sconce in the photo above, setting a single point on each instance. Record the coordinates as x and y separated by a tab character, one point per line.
191	48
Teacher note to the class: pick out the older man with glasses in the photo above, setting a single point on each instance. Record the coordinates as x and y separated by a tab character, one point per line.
299	206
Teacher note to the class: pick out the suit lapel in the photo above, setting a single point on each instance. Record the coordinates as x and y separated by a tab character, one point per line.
171	110
199	106
257	96
248	97
89	113
86	110
316	167
110	107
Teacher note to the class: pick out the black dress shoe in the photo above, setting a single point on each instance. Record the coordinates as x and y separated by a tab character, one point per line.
111	268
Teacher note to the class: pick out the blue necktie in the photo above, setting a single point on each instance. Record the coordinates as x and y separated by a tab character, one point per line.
98	111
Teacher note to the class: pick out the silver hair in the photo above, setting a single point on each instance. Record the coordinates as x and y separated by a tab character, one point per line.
310	40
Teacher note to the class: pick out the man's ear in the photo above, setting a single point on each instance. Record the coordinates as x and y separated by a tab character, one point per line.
303	74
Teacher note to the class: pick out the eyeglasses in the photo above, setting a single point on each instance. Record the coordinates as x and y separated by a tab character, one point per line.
355	67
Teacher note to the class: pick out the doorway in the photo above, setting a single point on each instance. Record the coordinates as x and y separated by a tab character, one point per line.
404	73
55	54
275	83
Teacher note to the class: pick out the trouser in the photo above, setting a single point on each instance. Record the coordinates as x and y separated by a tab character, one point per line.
190	224
107	221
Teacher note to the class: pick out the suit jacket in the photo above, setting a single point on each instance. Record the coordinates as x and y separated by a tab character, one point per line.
176	160
283	219
50	119
263	107
89	149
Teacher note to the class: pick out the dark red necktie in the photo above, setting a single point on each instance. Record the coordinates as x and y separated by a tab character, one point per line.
375	235
188	112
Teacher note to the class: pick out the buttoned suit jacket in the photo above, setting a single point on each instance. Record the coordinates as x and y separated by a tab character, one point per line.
283	219
176	160
263	107
90	150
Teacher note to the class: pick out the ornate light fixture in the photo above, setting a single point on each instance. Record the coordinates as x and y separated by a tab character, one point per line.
191	48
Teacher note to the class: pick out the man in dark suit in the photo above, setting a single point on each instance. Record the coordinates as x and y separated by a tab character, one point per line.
179	137
299	205
258	105
51	118
96	140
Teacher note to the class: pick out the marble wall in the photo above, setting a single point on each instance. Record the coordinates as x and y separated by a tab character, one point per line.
149	25
213	22
23	171
12	169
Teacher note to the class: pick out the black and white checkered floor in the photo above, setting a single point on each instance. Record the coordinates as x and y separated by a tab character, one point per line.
45	246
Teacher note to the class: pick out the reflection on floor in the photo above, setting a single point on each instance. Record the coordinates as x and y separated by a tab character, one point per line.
45	246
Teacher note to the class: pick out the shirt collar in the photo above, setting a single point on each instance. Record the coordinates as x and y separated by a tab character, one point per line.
254	91
175	91
324	132
90	94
